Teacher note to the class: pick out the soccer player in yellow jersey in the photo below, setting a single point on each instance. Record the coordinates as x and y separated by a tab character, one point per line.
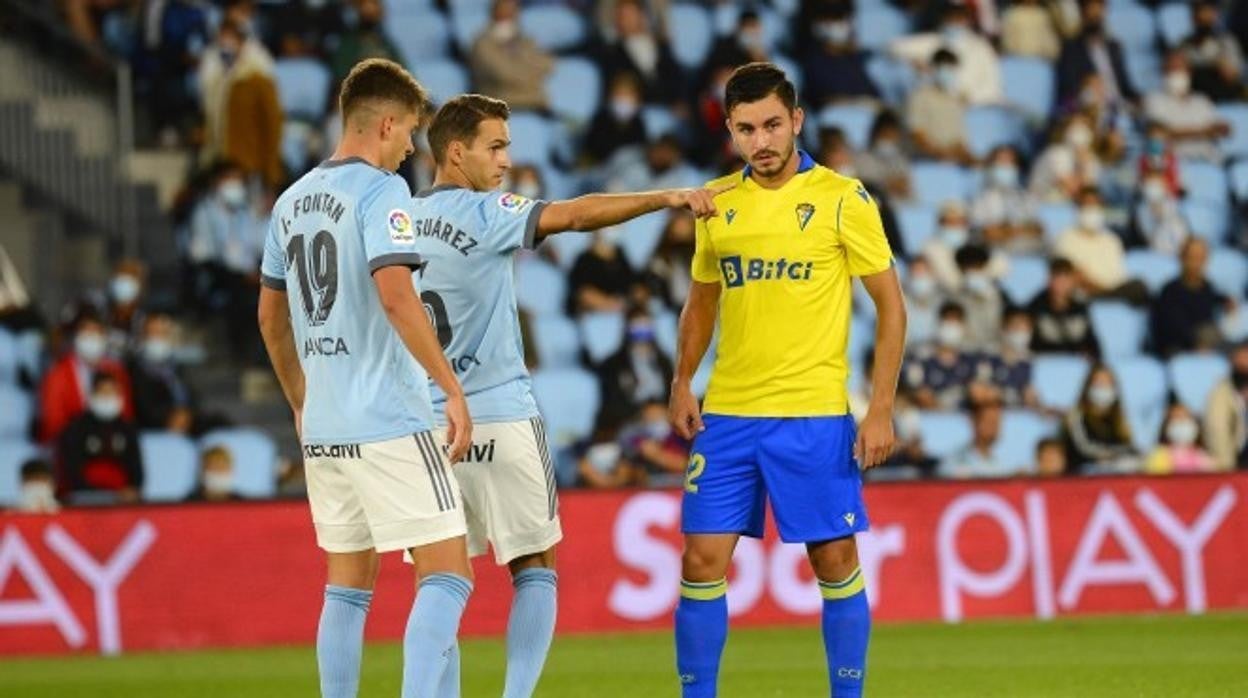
776	266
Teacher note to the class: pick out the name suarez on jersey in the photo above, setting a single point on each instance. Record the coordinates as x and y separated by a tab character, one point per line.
737	271
439	229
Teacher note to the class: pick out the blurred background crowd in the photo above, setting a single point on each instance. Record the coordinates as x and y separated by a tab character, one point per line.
1062	183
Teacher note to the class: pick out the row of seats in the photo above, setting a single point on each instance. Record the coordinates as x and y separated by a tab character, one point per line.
1227	271
18	352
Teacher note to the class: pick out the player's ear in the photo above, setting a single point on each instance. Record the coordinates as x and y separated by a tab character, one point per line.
799	118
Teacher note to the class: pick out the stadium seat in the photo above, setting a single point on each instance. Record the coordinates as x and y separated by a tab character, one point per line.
1120	329
443	78
602	334
792	69
877	27
775	30
1058	379
17	413
917	223
255	459
468	20
666	324
574	89
297	139
640	236
1228	271
1204	181
1133	26
532	138
1193	376
937	182
990	126
14	453
1021	430
944	433
1027	276
1238	172
408	6
553	27
861	338
894	78
659	121
1029	85
567	247
9	359
170	466
854	119
540	287
1206	220
302	87
419	36
1056	219
557	341
1175	22
1142	384
1235	145
692	34
1143	67
1155	269
569	399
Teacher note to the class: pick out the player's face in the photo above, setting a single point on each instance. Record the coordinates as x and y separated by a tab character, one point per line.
765	133
398	129
486	161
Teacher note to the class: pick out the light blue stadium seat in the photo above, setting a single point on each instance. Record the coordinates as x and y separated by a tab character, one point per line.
1143	67
14	452
574	88
1204	181
602	334
877	27
894	79
917	222
659	121
1206	219
468	20
1133	26
640	236
532	138
540	287
569	399
30	351
944	433
792	69
553	27
1120	329
854	119
443	78
1228	271
1235	144
861	337
1175	22
419	36
302	87
1058	378
1027	277
394	7
1021	430
170	466
557	341
1193	376
567	247
9	358
1142	385
1153	268
296	147
255	459
990	126
1056	219
666	324
1029	85
937	182
692	32
1238	172
17	408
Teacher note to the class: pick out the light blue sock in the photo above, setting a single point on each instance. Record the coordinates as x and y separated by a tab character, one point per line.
530	629
449	686
846	629
340	640
429	640
701	632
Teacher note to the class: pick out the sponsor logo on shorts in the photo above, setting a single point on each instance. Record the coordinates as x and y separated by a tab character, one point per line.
477	452
334	451
849	518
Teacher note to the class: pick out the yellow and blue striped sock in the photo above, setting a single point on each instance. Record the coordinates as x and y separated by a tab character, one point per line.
701	631
846	630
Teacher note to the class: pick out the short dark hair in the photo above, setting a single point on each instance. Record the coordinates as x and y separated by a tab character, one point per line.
951	308
380	79
1048	442
102	378
753	82
971	256
1060	265
944	56
35	467
459	118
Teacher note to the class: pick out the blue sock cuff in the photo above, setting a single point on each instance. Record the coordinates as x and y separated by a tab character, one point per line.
453	584
360	598
535	575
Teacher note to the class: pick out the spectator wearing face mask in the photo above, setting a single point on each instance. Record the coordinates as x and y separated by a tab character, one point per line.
1096	432
526	181
1010	367
667	272
1179	450
941	379
367	39
601	279
125	298
941	249
1190	118
1097	253
885	164
1159	160
979	297
651	444
638	373
1093	51
618	124
601	463
99	450
1215	55
1069	164
909	460
1027	29
978	459
162	398
1050	458
638	49
936	113
508	65
976	70
748	44
836	68
1185	314
1226	415
216	477
1060	319
663	167
923	302
38	489
67	385
1004	210
1158	218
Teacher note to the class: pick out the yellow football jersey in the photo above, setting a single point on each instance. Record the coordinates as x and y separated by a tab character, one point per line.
784	258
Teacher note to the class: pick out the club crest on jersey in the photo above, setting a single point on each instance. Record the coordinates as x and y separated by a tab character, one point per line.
400	225
730	214
513	203
804	213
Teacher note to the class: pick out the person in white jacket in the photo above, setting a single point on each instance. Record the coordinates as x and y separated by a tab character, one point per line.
979	71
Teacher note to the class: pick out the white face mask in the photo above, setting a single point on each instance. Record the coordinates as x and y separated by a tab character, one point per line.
529	189
1004	176
947	78
219	482
1178	83
1018	340
38	496
1154	190
124	288
1092	219
1102	396
1079	136
950	334
658	429
1182	432
922	286
954	236
908	424
157	351
752	41
977	282
234	193
90	346
624	108
106	408
611	236
603	457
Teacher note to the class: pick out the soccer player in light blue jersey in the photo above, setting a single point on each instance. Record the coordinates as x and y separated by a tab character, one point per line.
469	233
354	352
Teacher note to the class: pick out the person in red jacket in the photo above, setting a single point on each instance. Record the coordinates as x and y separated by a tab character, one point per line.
67	385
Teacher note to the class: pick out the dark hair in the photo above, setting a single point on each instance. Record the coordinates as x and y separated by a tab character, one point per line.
1048	442
885	119
35	467
1088	191
1060	265
102	378
944	56
951	308
459	118
971	256
754	82
380	79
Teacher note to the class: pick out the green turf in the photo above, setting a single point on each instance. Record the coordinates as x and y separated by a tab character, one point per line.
1170	656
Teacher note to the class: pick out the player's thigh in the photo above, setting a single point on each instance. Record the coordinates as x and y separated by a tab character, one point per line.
337	512
723	487
408	493
813	481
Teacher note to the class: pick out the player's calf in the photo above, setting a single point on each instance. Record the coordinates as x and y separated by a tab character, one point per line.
846	614
531	625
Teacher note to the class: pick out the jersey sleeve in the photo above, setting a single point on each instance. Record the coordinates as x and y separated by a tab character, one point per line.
861	233
386	226
705	262
511	221
273	262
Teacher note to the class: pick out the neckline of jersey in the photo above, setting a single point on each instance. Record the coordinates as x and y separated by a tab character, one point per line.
805	163
354	159
435	189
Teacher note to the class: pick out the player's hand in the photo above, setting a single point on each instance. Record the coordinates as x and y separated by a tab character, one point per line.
458	428
700	201
875	439
684	413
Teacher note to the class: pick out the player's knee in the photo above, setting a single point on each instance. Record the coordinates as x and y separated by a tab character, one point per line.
702	565
834	560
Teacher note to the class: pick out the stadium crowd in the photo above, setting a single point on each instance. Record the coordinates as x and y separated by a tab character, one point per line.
1062	183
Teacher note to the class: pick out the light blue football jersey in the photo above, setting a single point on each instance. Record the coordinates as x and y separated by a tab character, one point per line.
328	233
468	239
